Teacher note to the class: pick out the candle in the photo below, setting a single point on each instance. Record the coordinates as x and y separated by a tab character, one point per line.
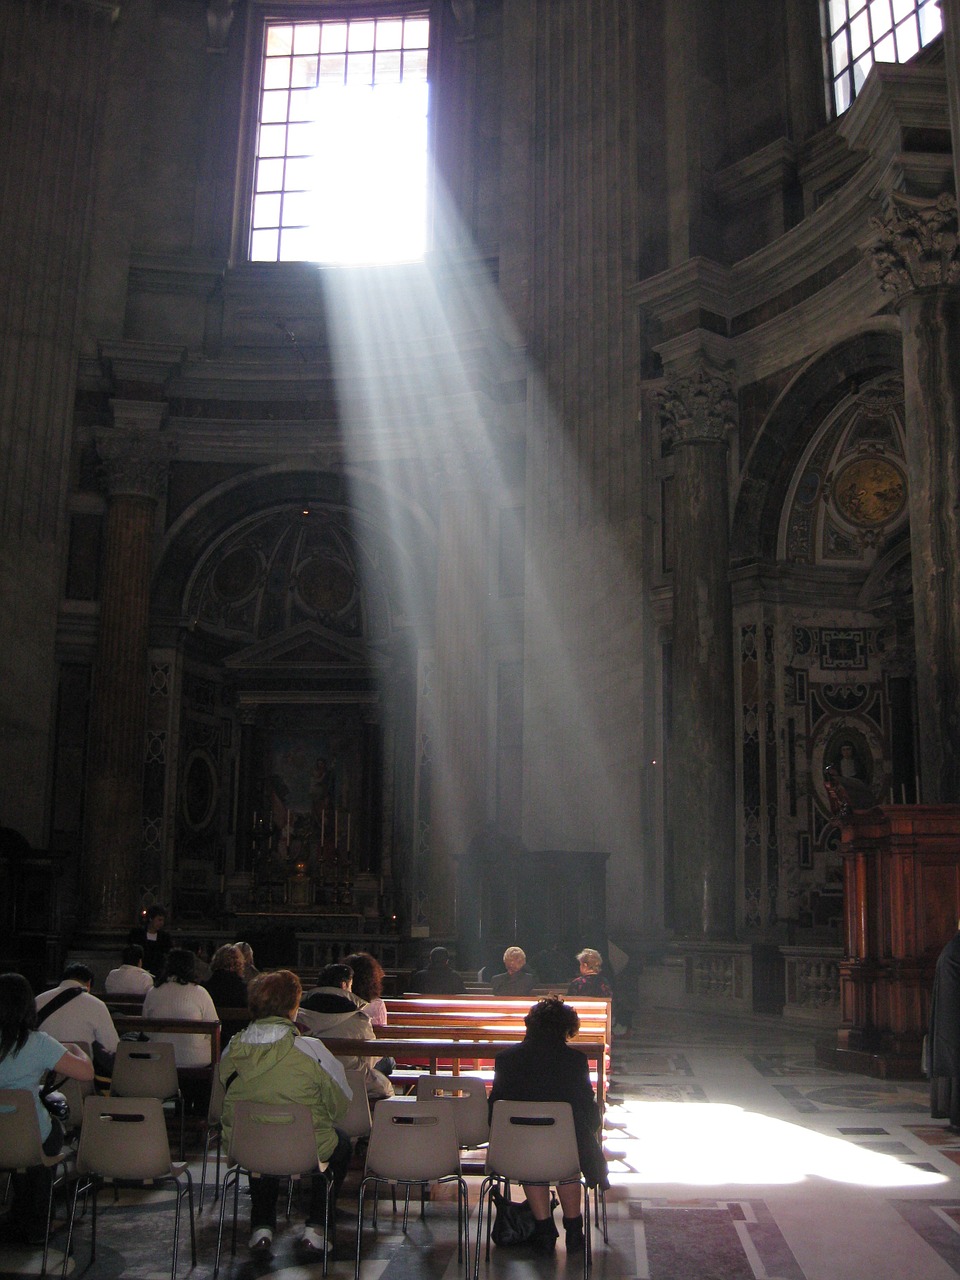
336	828
348	833
916	783
323	827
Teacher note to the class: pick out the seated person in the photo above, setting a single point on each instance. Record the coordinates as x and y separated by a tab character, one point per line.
69	1012
590	982
519	979
26	1055
438	978
176	995
130	978
250	970
331	1009
270	1061
544	1068
226	984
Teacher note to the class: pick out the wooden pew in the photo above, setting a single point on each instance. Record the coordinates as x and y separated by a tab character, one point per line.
437	1054
125	1022
495	1013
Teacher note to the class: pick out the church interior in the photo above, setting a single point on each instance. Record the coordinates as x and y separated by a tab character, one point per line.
485	472
526	585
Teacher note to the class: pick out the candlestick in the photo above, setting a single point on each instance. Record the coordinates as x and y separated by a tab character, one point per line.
336	827
323	827
348	833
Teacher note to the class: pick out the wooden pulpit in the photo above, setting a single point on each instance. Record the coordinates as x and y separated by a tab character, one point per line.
901	889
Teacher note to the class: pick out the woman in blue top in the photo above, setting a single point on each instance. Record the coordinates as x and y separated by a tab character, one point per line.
26	1055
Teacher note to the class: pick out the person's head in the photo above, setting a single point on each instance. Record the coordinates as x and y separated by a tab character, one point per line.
77	972
132	954
18	1012
367	975
439	958
846	750
155	917
178	967
246	951
514	958
227	957
336	975
590	961
551	1019
274	995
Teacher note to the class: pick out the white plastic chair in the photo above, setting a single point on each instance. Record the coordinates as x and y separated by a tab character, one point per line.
467	1097
272	1140
357	1122
21	1148
147	1069
414	1143
532	1142
124	1141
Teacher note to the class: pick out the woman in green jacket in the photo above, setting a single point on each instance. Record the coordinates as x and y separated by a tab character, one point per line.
271	1062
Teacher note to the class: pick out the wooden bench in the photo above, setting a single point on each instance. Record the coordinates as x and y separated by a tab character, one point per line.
493	1012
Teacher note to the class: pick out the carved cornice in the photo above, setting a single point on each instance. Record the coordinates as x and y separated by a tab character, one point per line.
134	462
917	247
219	20
698	405
465	14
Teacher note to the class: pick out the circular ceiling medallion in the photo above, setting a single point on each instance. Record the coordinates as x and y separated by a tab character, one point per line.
325	585
237	574
870	491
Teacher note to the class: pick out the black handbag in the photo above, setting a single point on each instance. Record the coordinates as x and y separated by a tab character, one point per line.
55	1101
513	1220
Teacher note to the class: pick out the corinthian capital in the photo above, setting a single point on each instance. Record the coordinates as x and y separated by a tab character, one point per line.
917	246
134	463
698	405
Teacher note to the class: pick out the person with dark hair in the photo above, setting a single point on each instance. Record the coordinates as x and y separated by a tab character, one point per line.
332	1009
177	995
543	1067
130	978
153	937
69	1012
271	1062
26	1055
439	978
368	978
226	984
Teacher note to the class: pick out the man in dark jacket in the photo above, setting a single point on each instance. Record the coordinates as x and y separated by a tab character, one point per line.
438	978
943	1040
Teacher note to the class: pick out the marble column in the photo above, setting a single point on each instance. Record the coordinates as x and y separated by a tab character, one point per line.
917	261
460	747
134	456
697	409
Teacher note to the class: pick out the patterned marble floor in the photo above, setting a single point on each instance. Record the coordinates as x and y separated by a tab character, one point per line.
733	1157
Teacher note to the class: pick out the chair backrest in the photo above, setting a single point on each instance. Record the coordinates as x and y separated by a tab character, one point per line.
467	1098
124	1138
412	1141
20	1144
356	1123
144	1070
215	1106
274	1138
533	1142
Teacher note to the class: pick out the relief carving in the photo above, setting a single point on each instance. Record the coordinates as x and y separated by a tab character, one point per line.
134	463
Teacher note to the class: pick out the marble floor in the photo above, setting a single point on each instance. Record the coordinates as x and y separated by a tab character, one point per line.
733	1157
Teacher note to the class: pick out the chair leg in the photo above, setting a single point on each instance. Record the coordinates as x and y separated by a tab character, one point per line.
363	1188
231	1173
329	1220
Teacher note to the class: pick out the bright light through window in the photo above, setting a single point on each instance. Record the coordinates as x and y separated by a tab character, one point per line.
862	32
341	164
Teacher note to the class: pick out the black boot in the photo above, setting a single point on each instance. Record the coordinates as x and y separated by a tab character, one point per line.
544	1238
574	1232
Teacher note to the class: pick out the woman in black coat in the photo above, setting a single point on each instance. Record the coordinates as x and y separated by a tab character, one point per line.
544	1068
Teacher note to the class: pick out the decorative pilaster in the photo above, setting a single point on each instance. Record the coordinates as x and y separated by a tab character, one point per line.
698	409
134	467
917	260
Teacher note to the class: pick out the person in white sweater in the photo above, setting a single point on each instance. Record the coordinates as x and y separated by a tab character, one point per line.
176	995
129	978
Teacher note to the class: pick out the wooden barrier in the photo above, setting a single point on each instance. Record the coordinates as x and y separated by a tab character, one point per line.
126	1022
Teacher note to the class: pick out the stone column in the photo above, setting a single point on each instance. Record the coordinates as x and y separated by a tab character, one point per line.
917	261
460	747
951	48
697	408
134	462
